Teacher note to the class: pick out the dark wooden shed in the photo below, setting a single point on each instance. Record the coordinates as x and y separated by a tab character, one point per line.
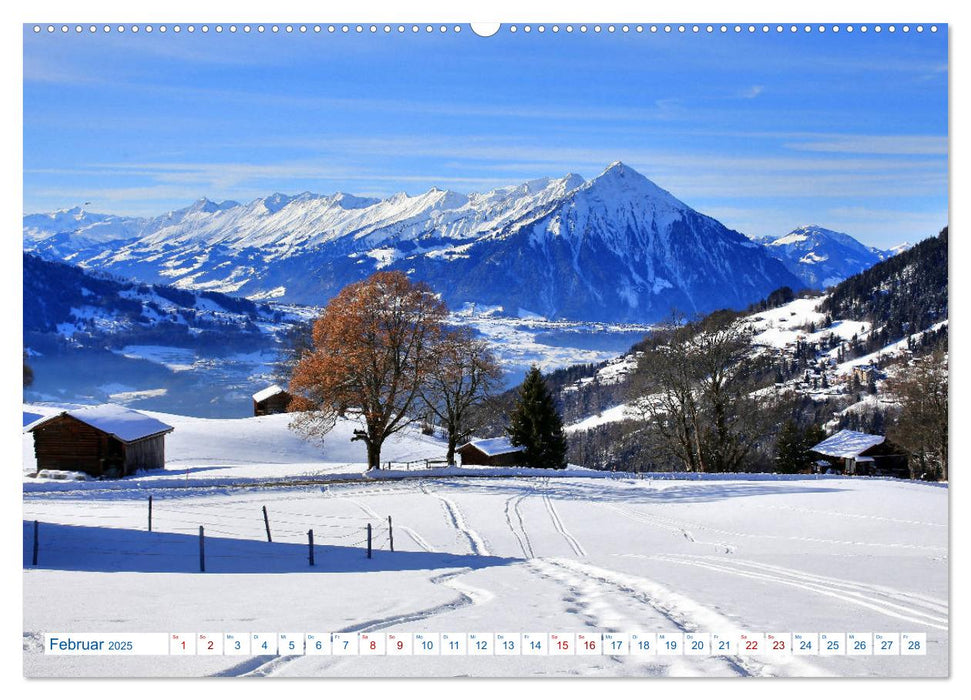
852	452
492	452
270	400
106	440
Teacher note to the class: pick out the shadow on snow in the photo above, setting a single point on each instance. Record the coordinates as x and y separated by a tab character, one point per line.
82	548
642	492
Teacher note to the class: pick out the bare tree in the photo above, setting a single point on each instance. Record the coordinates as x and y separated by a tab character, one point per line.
373	348
697	388
921	426
463	374
664	396
28	372
295	341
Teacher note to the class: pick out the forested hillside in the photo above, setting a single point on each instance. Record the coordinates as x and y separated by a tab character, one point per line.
899	296
66	303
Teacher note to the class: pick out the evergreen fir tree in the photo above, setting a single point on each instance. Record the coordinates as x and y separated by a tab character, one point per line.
793	455
536	425
788	448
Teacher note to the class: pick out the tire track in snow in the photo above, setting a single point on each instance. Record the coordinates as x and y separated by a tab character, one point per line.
889	602
687	615
561	528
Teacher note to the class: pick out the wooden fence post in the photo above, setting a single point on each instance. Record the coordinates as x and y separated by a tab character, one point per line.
149	513
369	540
390	534
36	544
202	549
310	542
266	521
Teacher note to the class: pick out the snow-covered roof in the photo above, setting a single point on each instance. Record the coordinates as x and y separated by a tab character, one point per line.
847	443
493	446
123	423
266	393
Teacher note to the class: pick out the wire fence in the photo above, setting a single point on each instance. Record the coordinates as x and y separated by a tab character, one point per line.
169	525
416	464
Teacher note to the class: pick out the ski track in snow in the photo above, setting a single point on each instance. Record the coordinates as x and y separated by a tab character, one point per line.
683	527
561	528
898	604
366	508
686	614
519	531
592	603
585	584
608	600
477	544
467	595
666	524
262	666
862	516
416	538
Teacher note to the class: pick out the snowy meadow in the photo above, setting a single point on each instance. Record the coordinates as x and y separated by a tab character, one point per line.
572	551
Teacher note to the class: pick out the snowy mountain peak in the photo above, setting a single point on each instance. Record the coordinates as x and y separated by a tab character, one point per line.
562	185
815	233
275	202
812	236
617	247
77	213
207	206
618	170
350	201
622	181
821	257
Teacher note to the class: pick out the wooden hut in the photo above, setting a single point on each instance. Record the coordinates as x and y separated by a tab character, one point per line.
493	452
862	454
271	400
106	440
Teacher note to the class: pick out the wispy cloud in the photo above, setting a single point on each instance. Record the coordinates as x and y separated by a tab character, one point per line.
876	145
751	92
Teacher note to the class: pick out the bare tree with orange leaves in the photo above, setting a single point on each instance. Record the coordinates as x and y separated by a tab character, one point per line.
373	347
465	374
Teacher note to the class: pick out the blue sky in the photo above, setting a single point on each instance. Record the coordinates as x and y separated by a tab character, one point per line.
764	132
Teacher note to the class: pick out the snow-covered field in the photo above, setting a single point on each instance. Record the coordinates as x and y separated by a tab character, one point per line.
503	554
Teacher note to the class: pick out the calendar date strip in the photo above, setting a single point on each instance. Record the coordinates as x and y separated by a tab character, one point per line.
487	644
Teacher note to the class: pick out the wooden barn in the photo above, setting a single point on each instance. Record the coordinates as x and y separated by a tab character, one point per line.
106	440
493	452
856	453
271	400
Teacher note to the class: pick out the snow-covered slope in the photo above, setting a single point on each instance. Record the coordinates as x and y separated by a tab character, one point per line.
62	234
821	257
511	555
616	248
255	449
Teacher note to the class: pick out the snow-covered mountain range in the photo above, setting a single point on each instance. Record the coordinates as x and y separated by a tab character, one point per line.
821	257
614	248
